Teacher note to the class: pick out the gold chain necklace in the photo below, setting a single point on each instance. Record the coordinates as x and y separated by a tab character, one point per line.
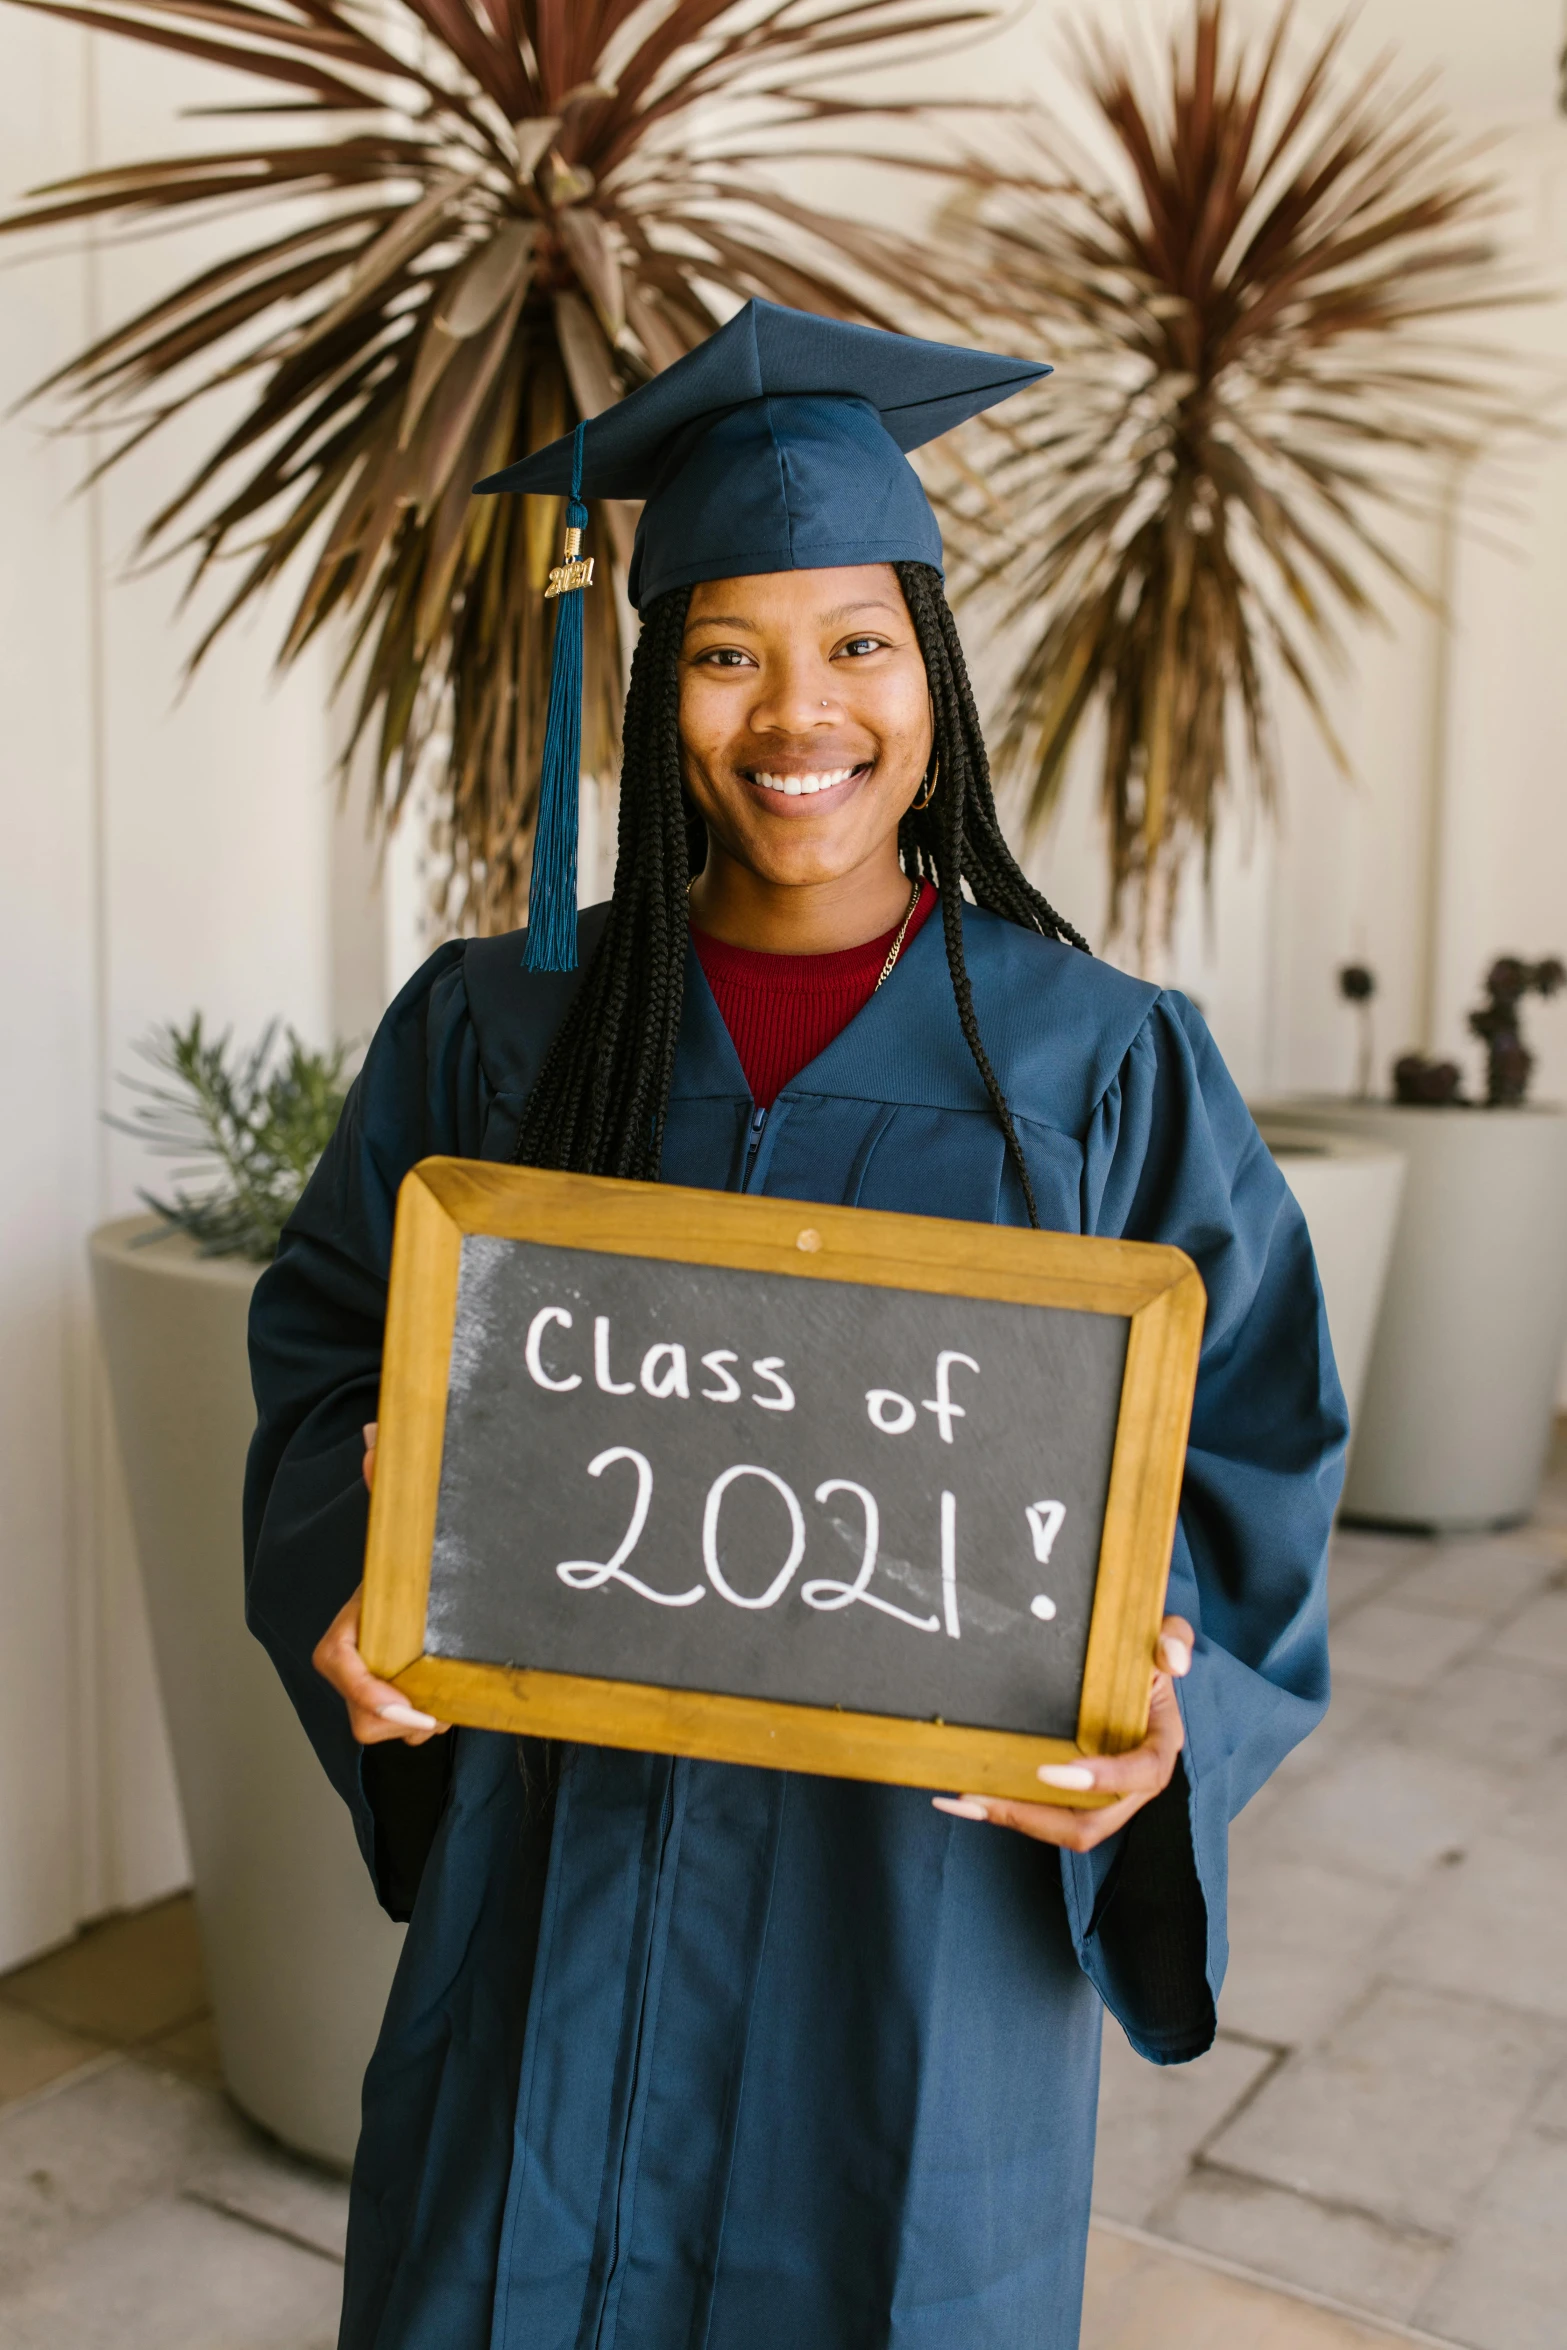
896	948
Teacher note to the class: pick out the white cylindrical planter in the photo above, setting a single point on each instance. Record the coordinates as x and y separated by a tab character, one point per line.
1349	1193
1456	1416
299	1956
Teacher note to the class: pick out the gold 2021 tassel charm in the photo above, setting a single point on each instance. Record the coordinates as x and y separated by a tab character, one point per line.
575	572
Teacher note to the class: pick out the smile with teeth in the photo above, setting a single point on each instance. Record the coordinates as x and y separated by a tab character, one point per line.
796	787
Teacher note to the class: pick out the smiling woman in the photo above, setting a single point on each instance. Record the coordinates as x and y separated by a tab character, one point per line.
679	2051
808	731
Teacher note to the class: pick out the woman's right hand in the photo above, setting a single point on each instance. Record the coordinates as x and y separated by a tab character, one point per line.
376	1709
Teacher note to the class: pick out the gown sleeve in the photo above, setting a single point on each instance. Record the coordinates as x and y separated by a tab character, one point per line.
1173	1156
316	1327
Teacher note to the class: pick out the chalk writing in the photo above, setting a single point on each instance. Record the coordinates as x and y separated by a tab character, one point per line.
731	1390
1045	1520
532	1354
941	1402
664	1371
826	1592
603	1377
679	1475
949	1564
710	1560
589	1574
770	1368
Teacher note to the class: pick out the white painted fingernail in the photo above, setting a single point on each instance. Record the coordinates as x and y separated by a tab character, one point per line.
1074	1775
406	1717
1176	1656
961	1807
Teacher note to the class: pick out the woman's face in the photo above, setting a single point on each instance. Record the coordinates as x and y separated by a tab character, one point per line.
805	719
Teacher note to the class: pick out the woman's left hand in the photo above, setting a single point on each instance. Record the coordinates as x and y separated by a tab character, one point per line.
1134	1778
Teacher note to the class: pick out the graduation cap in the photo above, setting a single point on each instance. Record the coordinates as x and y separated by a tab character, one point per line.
779	444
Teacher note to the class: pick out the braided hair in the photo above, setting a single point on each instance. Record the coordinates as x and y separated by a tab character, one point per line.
602	1097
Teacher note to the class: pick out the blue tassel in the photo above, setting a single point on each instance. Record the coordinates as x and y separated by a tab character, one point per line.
552	891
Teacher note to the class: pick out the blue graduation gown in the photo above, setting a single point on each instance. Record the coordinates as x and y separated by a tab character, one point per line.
682	2054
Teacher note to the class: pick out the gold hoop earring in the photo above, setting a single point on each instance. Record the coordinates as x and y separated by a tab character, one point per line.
929	792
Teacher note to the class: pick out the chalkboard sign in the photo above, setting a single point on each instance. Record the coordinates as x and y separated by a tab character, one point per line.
886	1496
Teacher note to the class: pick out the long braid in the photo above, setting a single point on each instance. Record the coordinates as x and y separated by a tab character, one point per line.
602	1097
988	866
953	837
600	1100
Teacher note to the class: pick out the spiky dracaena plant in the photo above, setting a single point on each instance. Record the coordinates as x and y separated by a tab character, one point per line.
1251	283
520	209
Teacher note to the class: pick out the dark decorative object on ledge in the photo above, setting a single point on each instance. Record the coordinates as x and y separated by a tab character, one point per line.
1357	984
1431	1084
1498	1024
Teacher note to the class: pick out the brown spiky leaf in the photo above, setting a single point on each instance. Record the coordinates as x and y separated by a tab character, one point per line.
1244	285
531	207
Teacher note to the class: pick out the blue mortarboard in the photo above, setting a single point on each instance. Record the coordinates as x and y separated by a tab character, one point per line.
779	444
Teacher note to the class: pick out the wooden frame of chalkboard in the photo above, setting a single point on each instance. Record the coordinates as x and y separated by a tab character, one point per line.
1156	1291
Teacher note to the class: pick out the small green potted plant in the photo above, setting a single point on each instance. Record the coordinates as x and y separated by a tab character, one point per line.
299	1957
247	1127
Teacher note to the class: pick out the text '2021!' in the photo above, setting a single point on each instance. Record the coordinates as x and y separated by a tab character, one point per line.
664	1373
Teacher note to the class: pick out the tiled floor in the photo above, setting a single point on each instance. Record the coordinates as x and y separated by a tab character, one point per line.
138	2211
1374	2152
1384	2118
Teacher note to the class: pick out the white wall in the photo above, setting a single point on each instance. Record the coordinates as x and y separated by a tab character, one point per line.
165	854
46	1162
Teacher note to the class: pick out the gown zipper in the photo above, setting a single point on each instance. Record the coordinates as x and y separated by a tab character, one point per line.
605	2320
758	1124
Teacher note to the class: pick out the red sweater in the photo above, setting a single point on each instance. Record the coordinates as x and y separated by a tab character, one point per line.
782	1010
